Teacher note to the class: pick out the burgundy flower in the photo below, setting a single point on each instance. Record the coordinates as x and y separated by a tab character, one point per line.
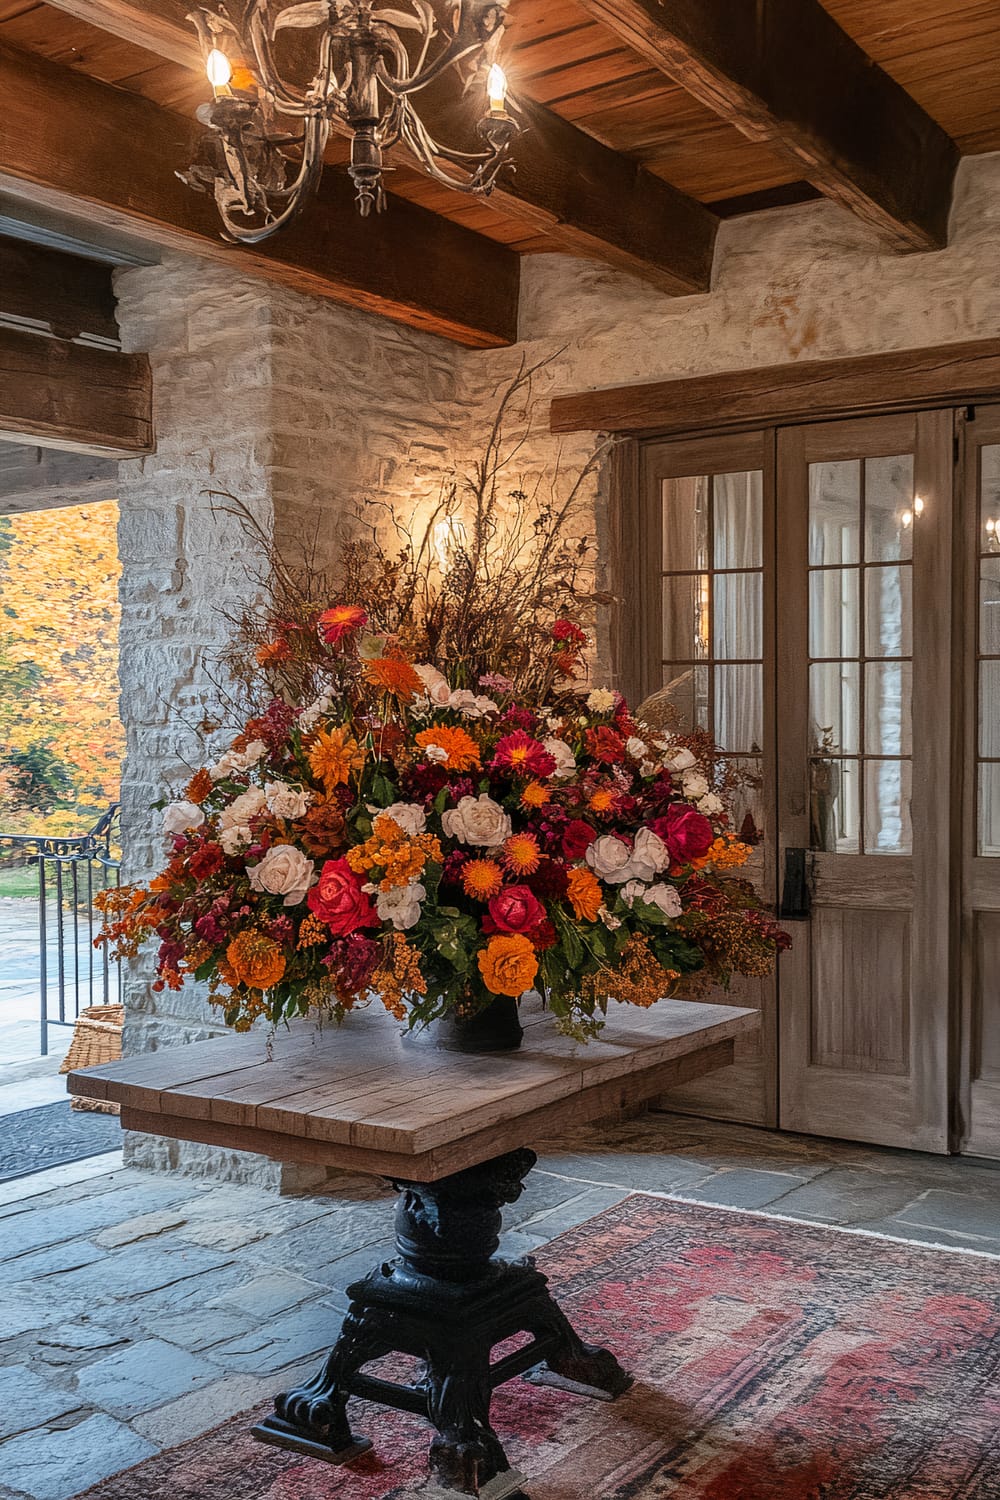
354	959
206	861
567	630
605	745
520	718
577	838
686	832
549	879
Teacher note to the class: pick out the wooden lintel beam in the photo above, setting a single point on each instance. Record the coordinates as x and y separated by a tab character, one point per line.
65	395
774	395
33	478
96	152
68	293
785	73
573	188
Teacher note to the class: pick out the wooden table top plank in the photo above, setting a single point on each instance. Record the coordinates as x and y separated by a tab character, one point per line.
370	1087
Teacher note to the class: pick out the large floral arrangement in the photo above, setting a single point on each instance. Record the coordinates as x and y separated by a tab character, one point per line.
434	846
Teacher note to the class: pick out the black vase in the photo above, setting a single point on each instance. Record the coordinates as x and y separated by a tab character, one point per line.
495	1028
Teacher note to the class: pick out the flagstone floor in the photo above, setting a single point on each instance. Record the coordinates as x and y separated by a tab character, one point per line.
138	1310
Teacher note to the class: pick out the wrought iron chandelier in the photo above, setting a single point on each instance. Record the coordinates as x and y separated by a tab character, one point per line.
368	65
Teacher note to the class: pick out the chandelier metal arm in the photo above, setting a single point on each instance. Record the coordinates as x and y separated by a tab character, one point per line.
298	192
331	100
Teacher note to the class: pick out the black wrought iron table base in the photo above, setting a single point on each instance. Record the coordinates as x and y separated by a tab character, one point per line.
448	1301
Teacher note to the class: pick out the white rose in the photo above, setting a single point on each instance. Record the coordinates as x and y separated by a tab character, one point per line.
564	758
477	820
284	871
666	897
237	760
286	801
464	702
401	905
244	807
436	753
610	859
694	785
632	891
234	839
486	706
647	767
409	816
649	855
610	922
601	700
635	747
710	804
678	760
436	686
310	716
178	817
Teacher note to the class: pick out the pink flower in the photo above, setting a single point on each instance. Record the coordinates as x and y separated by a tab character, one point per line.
523	755
339	901
516	909
686	832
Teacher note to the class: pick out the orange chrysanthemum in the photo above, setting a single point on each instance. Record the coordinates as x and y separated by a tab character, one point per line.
255	960
508	964
521	854
535	794
603	800
728	853
583	891
272	652
198	787
335	754
394	674
400	857
463	752
481	879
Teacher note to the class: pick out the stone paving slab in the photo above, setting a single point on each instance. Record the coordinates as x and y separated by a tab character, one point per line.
165	1304
27	1401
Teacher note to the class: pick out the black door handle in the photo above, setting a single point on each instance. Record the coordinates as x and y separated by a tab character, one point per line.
795	902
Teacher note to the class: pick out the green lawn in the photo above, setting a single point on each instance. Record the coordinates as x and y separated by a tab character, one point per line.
19	881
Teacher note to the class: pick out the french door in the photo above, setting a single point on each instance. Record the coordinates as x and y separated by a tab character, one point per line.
797	606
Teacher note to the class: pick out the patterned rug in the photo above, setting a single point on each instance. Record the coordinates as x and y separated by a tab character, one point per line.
51	1135
772	1360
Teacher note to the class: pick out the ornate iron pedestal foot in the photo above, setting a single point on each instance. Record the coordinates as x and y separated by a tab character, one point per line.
447	1301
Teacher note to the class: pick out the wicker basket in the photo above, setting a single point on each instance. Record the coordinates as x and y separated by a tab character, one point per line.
97	1038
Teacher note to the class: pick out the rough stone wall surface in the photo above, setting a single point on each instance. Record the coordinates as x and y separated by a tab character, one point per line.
302	408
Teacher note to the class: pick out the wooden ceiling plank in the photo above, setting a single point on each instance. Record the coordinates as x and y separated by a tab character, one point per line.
567	185
61	394
33	478
784	72
98	153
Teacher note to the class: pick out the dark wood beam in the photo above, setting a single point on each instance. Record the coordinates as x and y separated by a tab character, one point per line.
99	153
34	478
785	73
67	293
595	201
65	395
810	390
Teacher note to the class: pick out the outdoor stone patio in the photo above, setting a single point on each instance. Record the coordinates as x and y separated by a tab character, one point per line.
141	1309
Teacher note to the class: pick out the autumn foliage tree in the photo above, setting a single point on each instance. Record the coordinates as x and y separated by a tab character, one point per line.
61	741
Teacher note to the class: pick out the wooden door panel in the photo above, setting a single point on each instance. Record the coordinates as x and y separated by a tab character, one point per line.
860	989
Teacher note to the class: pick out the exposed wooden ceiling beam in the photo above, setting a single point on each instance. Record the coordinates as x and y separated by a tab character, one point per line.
65	395
593	200
97	152
69	294
785	73
33	478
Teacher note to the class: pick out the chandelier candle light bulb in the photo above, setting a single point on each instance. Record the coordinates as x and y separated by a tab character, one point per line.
496	87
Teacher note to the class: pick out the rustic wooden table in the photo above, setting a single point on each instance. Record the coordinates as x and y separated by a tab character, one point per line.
451	1132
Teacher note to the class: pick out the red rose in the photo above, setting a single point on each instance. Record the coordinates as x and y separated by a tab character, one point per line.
516	909
339	901
686	832
577	838
567	630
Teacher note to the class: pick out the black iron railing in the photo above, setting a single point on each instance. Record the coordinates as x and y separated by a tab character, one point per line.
71	871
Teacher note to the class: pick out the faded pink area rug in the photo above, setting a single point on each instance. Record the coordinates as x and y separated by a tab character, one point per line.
771	1360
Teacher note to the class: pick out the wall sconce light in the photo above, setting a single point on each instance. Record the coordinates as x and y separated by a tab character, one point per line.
448	540
993	533
909	516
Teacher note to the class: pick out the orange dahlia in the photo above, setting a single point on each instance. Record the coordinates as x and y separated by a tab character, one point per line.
535	794
255	960
481	879
198	787
334	755
508	964
394	674
583	891
461	748
521	854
